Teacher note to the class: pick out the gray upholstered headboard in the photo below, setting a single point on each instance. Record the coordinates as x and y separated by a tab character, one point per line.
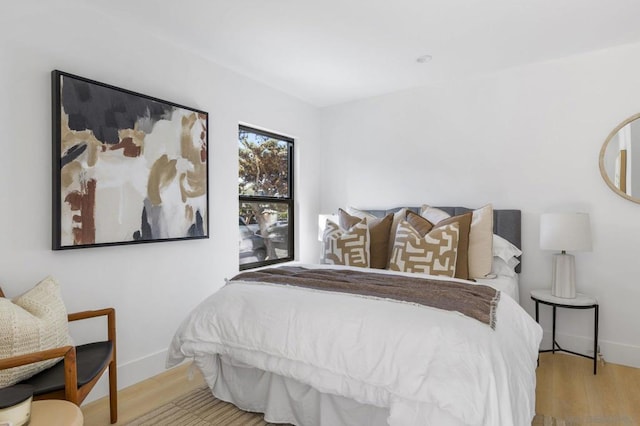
506	223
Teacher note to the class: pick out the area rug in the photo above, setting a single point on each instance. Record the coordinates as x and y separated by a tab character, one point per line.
200	408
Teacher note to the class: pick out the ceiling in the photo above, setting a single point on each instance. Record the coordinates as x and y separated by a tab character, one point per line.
327	52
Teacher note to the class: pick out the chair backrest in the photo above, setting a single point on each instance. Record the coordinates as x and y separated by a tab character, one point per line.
61	381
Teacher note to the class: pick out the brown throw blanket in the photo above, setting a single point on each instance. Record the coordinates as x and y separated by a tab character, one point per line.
473	300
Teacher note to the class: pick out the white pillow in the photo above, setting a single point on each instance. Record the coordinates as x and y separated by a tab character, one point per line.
360	213
504	249
433	214
503	267
32	322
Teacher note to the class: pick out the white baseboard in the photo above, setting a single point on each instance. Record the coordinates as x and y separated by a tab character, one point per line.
614	352
130	373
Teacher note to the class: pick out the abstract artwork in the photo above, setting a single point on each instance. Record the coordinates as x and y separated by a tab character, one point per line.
127	168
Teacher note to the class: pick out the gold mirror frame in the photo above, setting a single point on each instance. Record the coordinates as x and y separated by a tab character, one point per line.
603	171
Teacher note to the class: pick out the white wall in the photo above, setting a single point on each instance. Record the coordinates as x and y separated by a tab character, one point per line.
526	138
152	286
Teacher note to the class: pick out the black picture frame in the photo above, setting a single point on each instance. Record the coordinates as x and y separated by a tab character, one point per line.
127	168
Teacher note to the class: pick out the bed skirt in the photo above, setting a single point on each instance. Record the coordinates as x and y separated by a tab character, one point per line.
284	400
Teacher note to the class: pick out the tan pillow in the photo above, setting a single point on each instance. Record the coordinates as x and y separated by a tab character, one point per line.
34	321
423	226
398	216
435	253
346	247
480	239
419	223
379	229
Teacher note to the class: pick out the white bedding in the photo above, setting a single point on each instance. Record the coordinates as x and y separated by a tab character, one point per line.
506	284
425	365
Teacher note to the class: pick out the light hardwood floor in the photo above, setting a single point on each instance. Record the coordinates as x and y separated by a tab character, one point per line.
566	389
143	397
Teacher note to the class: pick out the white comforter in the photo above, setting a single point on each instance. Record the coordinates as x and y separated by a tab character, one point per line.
428	366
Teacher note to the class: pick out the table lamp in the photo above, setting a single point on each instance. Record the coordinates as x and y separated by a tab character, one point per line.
564	232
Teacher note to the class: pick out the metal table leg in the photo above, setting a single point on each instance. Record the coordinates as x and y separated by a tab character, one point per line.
553	336
595	341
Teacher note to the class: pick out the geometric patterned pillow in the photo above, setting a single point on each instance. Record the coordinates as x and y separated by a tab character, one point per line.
423	225
346	247
395	220
34	321
435	253
480	254
378	235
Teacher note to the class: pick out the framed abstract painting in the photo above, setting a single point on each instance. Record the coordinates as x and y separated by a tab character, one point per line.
127	168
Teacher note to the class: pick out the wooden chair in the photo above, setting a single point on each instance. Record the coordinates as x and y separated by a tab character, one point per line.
74	376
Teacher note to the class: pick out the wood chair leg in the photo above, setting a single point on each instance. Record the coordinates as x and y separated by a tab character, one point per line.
71	377
113	392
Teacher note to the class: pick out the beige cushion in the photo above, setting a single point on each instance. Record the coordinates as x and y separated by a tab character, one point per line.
480	239
481	242
346	247
434	253
34	321
379	230
423	226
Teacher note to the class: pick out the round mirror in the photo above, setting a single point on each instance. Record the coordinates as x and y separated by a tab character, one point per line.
619	155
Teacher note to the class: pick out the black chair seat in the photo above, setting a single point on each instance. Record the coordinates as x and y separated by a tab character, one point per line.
91	359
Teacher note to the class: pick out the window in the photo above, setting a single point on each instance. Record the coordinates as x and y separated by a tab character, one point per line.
265	188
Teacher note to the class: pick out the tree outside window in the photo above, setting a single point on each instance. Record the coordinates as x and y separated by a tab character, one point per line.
265	187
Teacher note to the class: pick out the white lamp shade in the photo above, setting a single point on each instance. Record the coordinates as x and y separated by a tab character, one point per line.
322	223
565	232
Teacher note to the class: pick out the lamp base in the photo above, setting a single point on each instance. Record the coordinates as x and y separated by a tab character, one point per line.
563	283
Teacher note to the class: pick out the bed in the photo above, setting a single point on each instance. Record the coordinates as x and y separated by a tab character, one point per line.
312	357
